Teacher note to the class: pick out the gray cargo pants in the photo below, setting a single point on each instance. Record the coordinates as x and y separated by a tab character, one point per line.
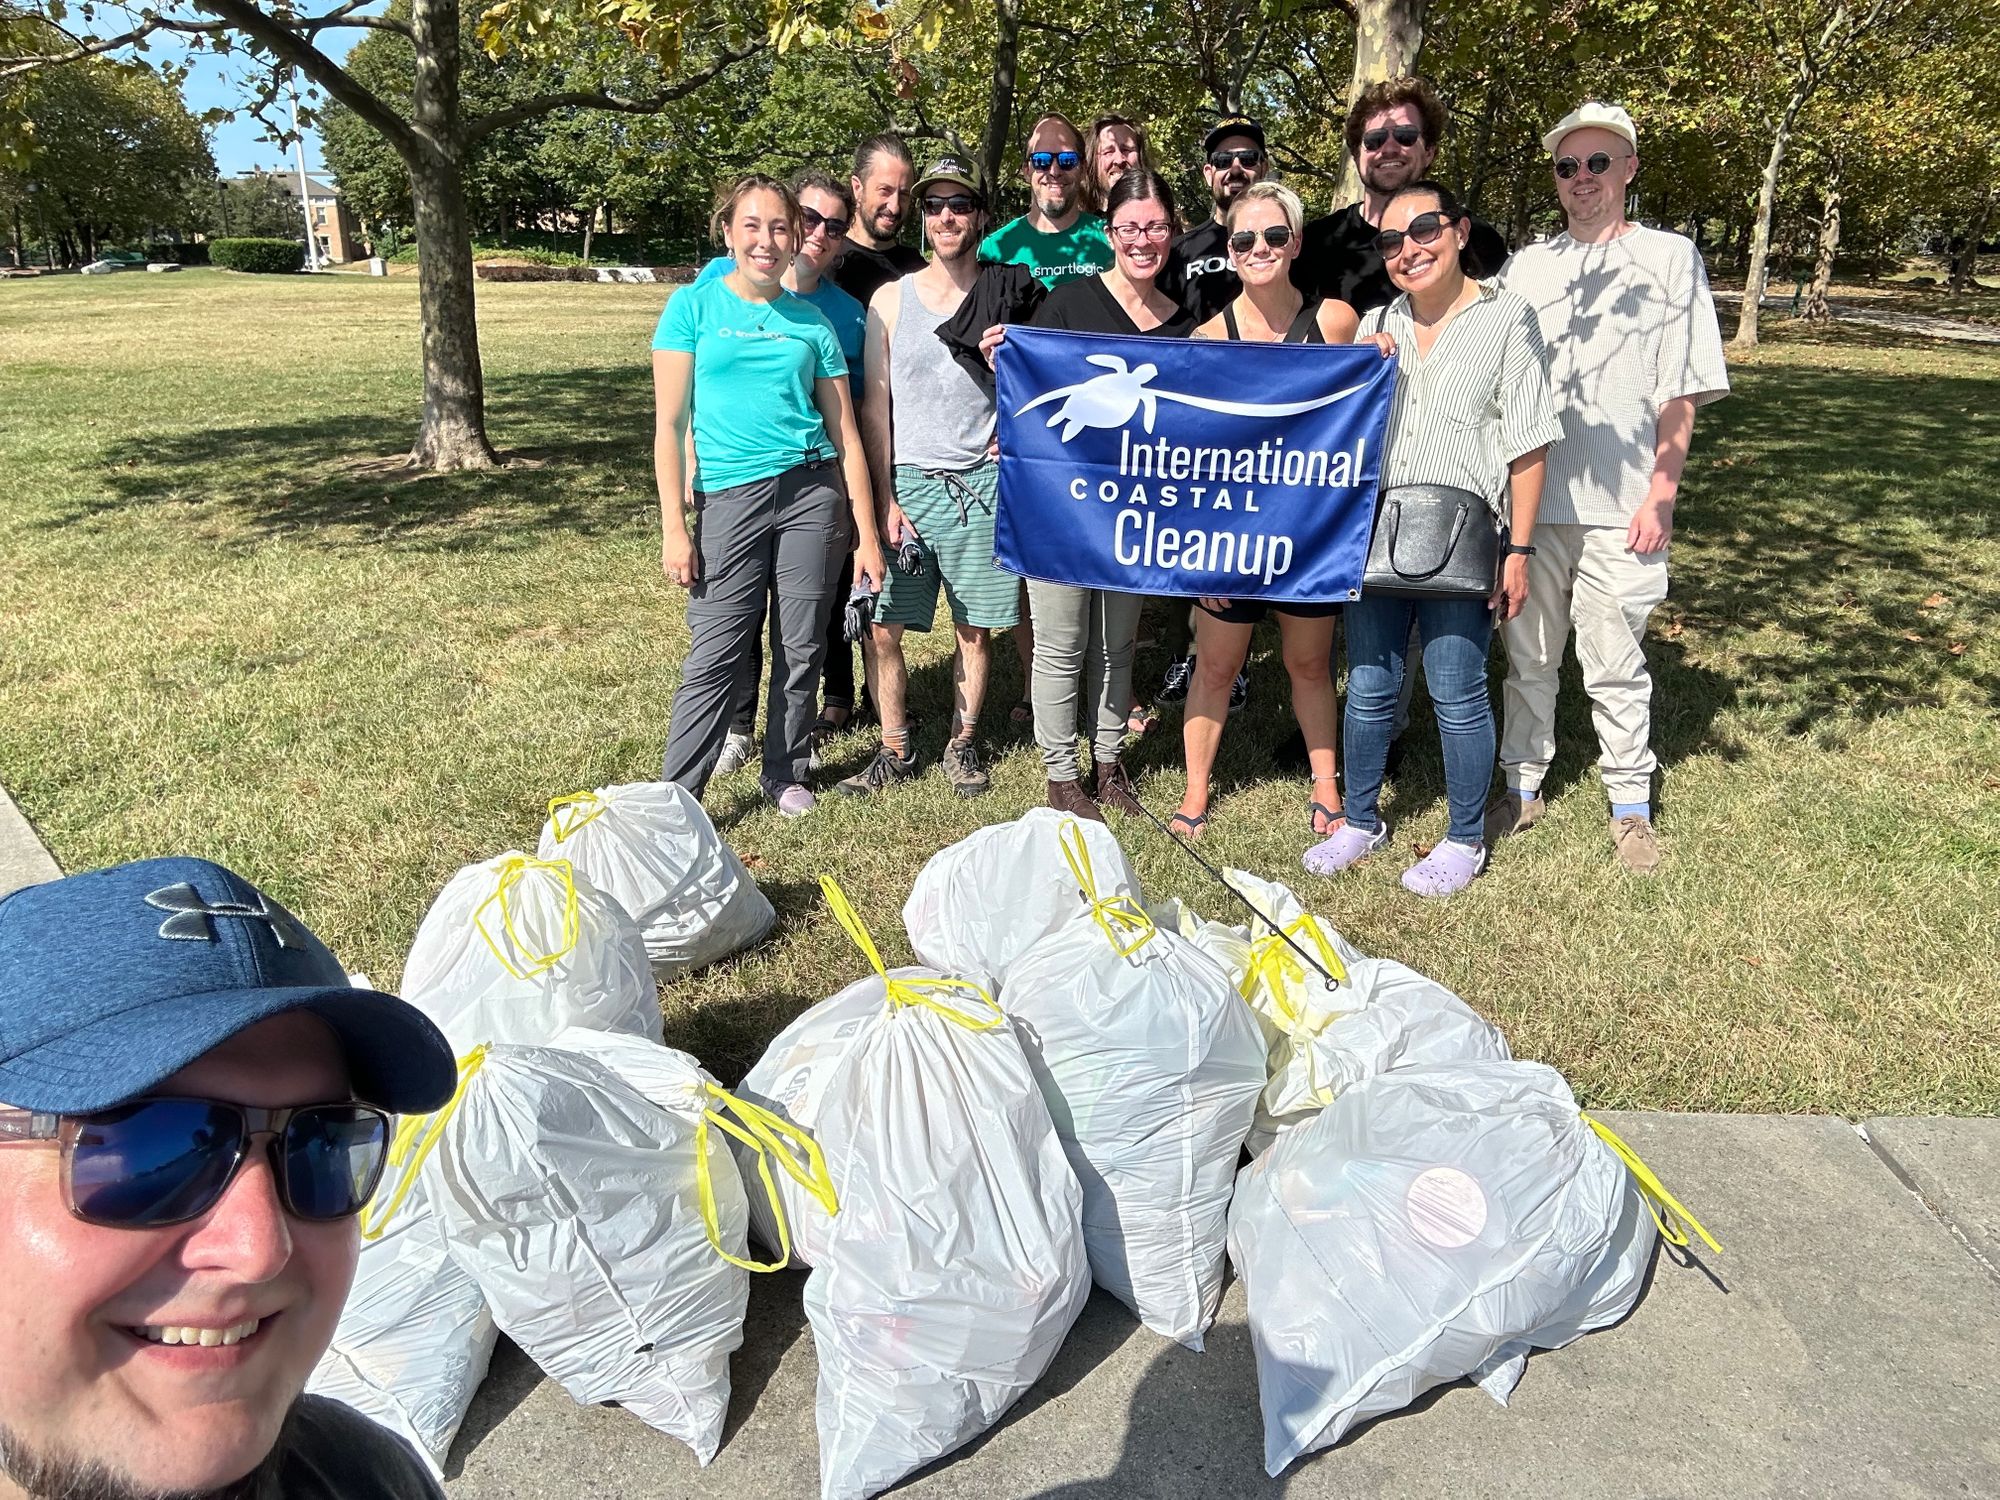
779	539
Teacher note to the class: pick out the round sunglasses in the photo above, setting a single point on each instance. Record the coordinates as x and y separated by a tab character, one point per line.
1424	230
1597	163
1277	236
154	1162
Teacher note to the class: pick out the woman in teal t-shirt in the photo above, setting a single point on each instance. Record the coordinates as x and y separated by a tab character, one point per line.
761	376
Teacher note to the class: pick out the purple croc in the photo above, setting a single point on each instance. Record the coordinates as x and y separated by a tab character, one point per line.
1446	870
1344	846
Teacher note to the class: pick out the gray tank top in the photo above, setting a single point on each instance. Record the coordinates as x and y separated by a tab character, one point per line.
942	418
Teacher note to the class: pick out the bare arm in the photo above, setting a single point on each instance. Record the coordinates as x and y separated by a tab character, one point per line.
1337	321
1653	523
1524	491
836	409
877	414
673	375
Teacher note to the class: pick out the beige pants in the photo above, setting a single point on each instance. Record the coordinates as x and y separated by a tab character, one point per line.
1583	577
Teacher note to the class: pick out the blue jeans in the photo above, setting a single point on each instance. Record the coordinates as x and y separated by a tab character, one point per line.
1455	635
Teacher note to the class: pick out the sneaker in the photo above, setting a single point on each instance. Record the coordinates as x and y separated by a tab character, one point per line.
1174	685
1070	797
1239	693
793	800
885	770
1346	845
963	771
1115	789
1446	870
1512	813
737	752
1637	845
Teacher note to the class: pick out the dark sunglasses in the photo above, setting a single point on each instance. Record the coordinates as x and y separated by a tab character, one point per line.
1062	161
1598	162
1241	156
836	229
1406	135
961	204
150	1163
1277	236
1424	229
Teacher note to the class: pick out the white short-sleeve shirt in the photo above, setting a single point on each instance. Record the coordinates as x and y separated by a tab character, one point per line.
1630	325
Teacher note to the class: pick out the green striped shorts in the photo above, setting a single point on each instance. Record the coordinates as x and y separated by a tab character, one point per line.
958	552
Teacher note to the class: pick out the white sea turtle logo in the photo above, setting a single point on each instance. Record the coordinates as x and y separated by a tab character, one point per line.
1113	400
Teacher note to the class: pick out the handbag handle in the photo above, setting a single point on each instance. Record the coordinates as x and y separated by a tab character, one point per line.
1450	547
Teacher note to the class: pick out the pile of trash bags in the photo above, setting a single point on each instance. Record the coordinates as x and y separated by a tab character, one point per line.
1061	1092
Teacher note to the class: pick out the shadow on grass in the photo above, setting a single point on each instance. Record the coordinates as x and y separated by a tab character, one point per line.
581	440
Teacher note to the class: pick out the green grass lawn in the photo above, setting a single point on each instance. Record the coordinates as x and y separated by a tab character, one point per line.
226	627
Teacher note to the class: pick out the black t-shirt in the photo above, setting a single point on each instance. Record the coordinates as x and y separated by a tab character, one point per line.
328	1451
1087	306
1199	276
1340	259
860	271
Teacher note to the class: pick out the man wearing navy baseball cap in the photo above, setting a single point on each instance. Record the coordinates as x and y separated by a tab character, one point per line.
194	1106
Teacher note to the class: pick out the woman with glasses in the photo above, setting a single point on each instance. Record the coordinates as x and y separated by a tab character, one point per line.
1264	223
1113	146
1086	635
759	373
826	212
1472	411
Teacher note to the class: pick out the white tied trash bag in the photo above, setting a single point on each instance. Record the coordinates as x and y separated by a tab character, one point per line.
955	1267
1374	1015
981	903
1430	1224
1151	1065
605	1220
650	846
516	949
415	1336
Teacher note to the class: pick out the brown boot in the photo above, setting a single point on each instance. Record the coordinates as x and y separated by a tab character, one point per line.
1070	797
1115	789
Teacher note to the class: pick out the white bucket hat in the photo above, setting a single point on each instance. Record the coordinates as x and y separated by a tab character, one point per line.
1604	116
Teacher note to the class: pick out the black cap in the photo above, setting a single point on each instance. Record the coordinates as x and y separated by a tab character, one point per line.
1230	125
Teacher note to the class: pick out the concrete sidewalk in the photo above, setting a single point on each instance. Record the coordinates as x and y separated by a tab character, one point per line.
1843	1345
24	858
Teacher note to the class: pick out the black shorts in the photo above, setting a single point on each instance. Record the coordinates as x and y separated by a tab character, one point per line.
1252	611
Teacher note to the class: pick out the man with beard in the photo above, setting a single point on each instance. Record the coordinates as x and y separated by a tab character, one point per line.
1393	133
928	426
1233	157
1633	350
195	1105
1056	238
881	187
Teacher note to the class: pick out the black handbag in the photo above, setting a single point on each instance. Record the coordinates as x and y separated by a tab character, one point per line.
1433	541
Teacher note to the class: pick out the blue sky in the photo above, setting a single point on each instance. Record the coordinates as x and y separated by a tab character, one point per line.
240	144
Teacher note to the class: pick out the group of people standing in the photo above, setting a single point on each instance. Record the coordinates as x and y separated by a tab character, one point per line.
1560	384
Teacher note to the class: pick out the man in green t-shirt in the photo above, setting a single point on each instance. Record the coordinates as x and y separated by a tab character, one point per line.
1055	238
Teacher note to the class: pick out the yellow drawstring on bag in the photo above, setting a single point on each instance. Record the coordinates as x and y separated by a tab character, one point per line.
421	1132
1112	914
908	991
582	807
767	1134
1274	965
1668	1212
511	874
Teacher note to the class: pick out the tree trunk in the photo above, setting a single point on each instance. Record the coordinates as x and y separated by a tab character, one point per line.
1388	34
453	434
1760	232
589	227
1000	102
1816	309
1965	264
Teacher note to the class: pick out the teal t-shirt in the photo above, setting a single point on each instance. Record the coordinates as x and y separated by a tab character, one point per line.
754	368
848	317
1080	250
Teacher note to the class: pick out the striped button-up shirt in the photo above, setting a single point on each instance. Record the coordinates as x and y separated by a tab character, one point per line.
1479	400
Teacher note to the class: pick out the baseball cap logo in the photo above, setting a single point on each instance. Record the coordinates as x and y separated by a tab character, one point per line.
191	919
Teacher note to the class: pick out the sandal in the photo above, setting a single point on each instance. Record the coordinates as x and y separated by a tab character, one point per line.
1348	845
1141	721
1446	870
1193	826
1316	810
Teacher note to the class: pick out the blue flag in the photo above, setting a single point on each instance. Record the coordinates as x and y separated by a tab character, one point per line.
1189	466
